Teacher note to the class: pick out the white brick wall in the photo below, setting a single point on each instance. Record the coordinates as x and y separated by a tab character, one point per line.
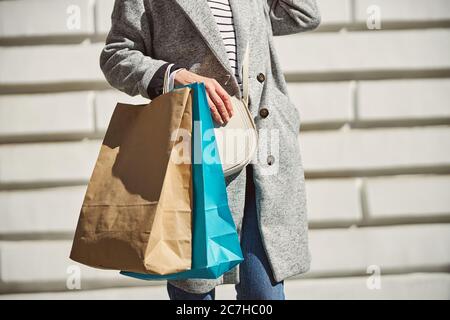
375	109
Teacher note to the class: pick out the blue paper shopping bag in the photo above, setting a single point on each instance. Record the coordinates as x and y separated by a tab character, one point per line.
215	243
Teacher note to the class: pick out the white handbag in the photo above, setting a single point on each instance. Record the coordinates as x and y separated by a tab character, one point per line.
237	139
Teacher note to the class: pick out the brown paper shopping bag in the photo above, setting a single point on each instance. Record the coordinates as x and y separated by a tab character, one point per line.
137	211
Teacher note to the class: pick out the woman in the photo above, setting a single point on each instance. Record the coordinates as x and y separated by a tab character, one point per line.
268	199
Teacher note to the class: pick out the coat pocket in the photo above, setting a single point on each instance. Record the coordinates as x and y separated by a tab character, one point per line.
288	111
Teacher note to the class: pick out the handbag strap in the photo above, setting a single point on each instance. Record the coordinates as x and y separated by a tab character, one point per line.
245	73
167	86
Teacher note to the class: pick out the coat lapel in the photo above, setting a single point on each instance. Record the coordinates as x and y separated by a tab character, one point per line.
241	18
199	13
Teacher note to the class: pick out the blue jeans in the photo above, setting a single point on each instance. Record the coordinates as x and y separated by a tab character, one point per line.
256	280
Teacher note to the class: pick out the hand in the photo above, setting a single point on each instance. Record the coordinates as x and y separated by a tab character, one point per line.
218	99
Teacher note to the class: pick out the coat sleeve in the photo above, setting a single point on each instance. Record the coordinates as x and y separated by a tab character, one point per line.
293	16
126	60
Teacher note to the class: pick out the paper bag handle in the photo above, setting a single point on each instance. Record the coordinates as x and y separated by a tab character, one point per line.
169	85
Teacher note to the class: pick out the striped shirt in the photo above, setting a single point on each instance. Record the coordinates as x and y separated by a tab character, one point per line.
223	15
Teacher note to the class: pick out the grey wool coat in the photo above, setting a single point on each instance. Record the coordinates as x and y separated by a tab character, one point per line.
147	34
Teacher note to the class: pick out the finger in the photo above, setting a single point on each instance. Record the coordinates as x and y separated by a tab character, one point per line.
223	94
219	105
215	114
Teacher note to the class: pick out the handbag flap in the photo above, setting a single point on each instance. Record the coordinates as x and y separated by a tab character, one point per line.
237	139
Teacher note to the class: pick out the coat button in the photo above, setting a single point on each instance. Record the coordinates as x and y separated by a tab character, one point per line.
263	112
270	160
261	77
